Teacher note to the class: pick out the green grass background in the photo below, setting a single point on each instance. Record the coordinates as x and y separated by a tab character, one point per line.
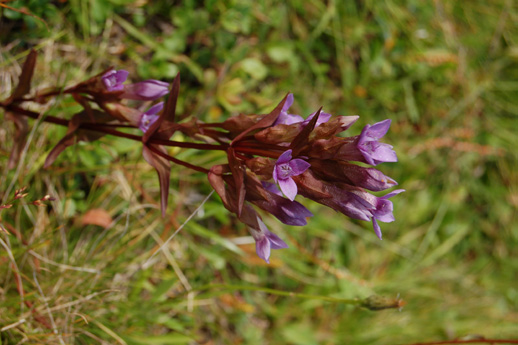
444	72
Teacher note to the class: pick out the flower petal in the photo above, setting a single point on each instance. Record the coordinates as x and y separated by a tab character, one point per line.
262	248
298	166
288	187
284	158
275	241
288	103
378	130
376	227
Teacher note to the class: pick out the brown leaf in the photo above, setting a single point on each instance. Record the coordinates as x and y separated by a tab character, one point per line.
163	169
237	124
238	172
20	135
279	133
302	138
82	135
97	216
332	127
266	121
24	84
165	125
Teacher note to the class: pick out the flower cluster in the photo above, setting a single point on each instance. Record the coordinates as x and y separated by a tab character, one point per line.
307	158
271	158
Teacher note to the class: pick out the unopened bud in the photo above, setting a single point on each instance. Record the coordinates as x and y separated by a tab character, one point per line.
19	196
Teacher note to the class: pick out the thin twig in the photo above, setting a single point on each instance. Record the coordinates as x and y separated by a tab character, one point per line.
147	263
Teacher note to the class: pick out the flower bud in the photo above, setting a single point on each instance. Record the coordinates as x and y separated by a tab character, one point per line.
148	90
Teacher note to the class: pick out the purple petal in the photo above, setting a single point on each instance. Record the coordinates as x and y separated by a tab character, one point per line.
298	166
288	187
274	174
379	129
155	109
384	153
284	158
376	227
288	119
383	211
391	194
149	117
113	79
288	103
275	241
148	90
262	248
271	187
322	118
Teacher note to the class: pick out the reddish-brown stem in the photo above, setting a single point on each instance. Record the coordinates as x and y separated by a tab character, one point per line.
108	130
177	161
257	152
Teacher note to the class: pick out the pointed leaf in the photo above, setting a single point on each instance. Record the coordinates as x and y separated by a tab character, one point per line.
24	84
238	172
165	125
74	124
163	169
20	135
266	121
302	138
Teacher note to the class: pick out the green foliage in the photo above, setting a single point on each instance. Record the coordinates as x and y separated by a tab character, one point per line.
444	72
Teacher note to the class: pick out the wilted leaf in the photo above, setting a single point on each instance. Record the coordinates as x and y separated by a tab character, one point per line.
97	216
20	134
238	172
302	138
82	135
24	84
266	121
163	169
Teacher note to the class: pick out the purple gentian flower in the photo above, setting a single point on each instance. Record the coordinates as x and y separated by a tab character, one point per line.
373	151
113	79
285	118
149	117
265	241
147	90
383	211
284	169
288	212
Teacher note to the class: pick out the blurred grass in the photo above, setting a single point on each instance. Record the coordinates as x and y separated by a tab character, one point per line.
445	73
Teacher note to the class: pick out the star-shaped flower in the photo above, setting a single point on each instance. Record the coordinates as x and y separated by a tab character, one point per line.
284	169
113	79
265	241
150	116
373	151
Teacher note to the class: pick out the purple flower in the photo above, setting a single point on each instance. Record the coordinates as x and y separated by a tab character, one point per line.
373	151
149	117
288	212
284	169
383	211
113	79
322	118
265	241
285	118
147	90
